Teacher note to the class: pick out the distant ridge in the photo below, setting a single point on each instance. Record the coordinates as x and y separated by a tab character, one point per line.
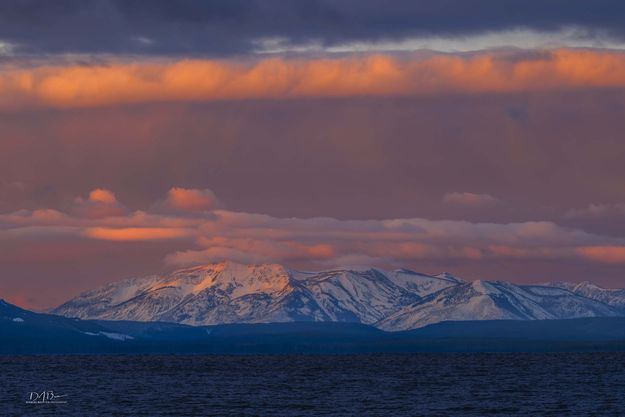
25	332
402	299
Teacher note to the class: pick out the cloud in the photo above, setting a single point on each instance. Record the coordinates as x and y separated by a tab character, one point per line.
100	195
226	27
190	200
287	78
136	233
328	241
604	254
68	251
597	211
100	203
471	199
346	158
205	233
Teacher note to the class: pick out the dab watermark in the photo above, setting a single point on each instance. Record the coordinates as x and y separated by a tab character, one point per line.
45	397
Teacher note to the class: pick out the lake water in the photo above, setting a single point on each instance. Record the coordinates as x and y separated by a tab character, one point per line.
499	384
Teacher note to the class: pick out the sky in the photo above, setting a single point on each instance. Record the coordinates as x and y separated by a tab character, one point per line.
482	138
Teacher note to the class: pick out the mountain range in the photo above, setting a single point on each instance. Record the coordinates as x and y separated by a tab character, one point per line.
228	292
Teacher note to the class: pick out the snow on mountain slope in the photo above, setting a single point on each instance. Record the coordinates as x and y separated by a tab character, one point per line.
449	277
393	300
226	292
365	296
495	300
231	293
612	297
422	284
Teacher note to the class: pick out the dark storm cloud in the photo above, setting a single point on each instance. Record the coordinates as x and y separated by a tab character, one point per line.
223	27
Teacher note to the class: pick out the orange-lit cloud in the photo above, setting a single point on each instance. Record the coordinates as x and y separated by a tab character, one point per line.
605	254
203	233
101	195
101	203
136	233
191	200
358	75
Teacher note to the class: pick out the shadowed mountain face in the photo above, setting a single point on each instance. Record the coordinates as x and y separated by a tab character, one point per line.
391	300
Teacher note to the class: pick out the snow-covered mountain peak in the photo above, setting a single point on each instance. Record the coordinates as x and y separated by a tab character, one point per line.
495	300
420	284
404	271
349	270
230	292
450	277
411	272
587	285
614	297
485	287
235	278
231	267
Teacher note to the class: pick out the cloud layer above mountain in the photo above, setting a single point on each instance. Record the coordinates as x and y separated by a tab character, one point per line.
376	75
206	233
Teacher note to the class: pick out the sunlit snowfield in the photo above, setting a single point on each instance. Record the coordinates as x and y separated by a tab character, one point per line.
359	385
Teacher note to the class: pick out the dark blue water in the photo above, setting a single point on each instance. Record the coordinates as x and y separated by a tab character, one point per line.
583	384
